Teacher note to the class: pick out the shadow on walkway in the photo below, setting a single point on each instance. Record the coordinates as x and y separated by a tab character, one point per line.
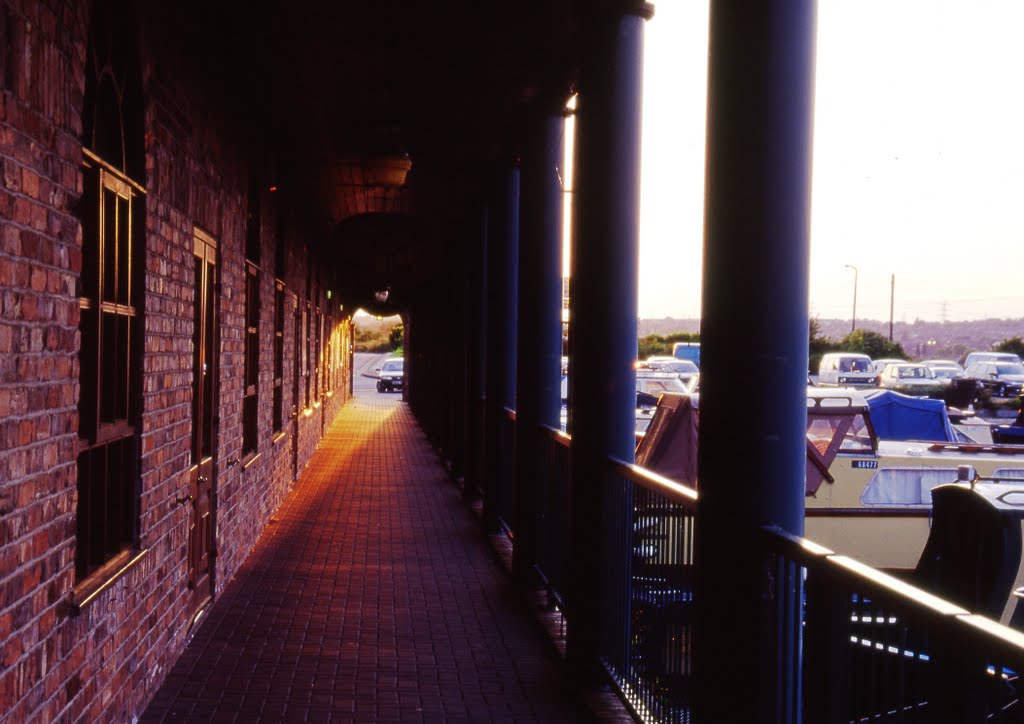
373	598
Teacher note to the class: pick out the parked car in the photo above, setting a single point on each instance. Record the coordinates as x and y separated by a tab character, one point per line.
658	383
944	369
880	364
649	388
684	369
990	357
687	350
391	375
911	379
1012	433
842	369
1002	379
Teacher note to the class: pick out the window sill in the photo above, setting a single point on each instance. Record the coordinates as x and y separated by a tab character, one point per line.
249	459
280	436
90	589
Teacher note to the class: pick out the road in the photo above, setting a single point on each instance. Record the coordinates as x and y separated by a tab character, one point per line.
366	364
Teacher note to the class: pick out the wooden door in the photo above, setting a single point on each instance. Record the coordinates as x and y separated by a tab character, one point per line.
204	413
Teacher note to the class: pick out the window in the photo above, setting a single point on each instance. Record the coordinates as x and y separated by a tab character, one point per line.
109	362
318	331
278	355
110	294
250	402
305	350
905	487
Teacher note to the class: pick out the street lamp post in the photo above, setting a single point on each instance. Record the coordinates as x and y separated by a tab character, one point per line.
853	322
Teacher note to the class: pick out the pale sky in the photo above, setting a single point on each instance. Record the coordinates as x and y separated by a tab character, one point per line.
918	159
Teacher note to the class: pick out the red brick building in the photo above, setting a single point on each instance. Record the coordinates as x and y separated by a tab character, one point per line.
170	351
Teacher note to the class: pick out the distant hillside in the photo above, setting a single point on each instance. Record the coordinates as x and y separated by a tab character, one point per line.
668	325
920	339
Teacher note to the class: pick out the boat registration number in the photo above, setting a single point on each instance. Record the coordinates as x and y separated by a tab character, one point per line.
865	464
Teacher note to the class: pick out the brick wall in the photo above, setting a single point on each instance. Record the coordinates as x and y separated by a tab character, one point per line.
104	662
40	259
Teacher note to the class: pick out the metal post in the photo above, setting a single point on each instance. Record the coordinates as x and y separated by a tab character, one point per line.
539	351
501	338
754	338
603	315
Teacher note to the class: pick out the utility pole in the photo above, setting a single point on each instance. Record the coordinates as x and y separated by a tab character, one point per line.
853	322
892	298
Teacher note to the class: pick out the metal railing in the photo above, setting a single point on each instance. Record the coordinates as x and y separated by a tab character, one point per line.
655	674
878	648
553	514
862	645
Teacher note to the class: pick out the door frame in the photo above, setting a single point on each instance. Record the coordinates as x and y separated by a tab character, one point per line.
206	250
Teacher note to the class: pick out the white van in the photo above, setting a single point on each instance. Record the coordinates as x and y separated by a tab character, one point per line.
846	369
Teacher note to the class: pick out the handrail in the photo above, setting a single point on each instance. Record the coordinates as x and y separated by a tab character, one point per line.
933	612
676	492
555	435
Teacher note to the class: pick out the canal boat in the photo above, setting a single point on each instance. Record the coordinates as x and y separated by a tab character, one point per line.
867	498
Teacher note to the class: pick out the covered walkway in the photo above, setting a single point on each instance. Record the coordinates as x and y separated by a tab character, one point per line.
372	596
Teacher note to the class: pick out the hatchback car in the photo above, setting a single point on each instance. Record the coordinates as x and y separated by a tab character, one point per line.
391	375
910	379
878	365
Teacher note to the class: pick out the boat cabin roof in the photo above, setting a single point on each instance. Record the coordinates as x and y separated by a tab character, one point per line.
835	399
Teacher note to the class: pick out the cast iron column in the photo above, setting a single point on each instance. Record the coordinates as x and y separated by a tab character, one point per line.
539	351
754	336
502	252
603	315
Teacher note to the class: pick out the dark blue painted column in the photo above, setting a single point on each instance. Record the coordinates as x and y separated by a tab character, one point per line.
754	338
539	351
502	258
603	315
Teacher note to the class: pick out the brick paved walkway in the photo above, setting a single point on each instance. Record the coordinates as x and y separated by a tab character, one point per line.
374	598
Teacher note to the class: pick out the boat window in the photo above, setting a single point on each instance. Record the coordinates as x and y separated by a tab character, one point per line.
1007	474
858	437
909	487
820	432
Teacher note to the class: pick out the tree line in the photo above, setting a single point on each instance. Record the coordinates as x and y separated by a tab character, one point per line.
873	344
